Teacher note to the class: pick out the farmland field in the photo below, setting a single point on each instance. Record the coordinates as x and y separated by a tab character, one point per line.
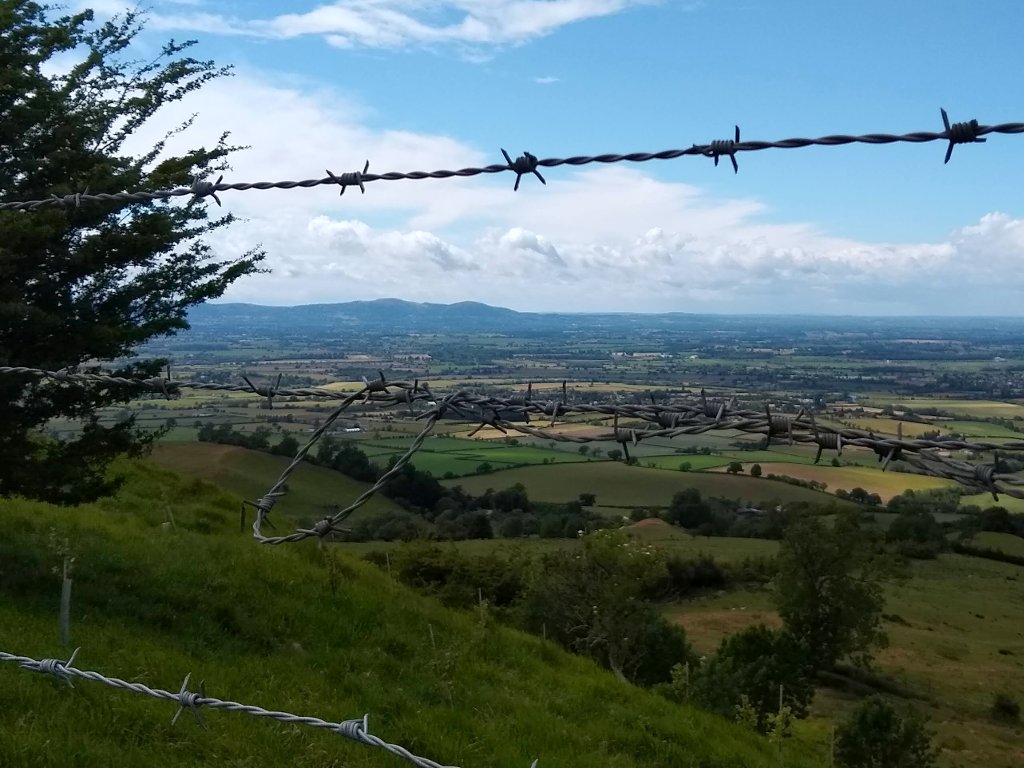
968	408
619	485
1003	542
885	484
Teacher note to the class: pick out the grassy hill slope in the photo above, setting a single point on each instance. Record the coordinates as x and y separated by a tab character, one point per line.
249	474
298	629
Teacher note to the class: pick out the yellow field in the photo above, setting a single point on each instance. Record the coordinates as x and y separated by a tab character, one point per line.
885	484
881	425
983	408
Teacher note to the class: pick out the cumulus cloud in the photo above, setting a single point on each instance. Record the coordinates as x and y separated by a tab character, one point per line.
598	238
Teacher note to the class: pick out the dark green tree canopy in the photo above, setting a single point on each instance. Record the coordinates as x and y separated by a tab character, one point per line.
80	285
829	589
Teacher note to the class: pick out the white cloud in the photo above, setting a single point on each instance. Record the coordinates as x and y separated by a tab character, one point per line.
395	23
547	80
598	238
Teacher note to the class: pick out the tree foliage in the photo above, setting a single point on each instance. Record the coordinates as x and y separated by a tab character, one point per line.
750	669
828	589
877	736
92	283
593	603
688	509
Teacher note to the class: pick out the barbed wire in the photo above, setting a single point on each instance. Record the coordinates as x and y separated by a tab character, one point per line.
527	163
356	730
688	415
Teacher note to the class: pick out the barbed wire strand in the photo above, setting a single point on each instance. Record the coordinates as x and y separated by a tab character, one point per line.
356	730
527	163
687	416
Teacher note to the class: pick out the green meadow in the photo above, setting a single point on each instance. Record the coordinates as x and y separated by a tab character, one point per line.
303	630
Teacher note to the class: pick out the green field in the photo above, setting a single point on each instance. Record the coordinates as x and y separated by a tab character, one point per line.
270	626
1004	542
665	537
697	461
700	462
444	455
957	641
967	408
249	474
619	485
984	500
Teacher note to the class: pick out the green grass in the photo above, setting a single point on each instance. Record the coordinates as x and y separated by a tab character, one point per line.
985	500
619	485
442	455
267	626
979	429
697	462
967	408
673	540
249	474
1004	542
955	637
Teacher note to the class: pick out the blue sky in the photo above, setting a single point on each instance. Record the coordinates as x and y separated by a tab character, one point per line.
423	84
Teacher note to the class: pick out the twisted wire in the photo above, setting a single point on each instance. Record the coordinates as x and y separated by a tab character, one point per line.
685	416
955	133
356	730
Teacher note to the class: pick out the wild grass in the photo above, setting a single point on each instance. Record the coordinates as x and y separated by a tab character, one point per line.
279	627
955	638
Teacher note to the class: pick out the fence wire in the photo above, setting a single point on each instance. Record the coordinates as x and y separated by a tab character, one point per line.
527	164
632	424
188	701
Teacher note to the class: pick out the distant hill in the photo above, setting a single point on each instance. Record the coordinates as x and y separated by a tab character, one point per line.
381	313
398	316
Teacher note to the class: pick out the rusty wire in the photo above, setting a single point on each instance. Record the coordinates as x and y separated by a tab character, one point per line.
688	415
954	133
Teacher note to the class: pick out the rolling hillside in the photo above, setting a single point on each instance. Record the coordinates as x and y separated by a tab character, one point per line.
302	630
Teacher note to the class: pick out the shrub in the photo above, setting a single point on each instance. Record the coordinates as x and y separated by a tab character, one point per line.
749	671
877	736
1005	708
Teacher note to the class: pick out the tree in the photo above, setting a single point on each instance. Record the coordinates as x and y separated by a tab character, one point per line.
877	736
751	666
755	471
614	454
917	534
688	509
287	446
828	590
734	468
584	450
92	282
587	499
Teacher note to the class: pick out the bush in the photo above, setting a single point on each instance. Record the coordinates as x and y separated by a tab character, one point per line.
1005	708
748	670
458	580
593	603
917	534
877	736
